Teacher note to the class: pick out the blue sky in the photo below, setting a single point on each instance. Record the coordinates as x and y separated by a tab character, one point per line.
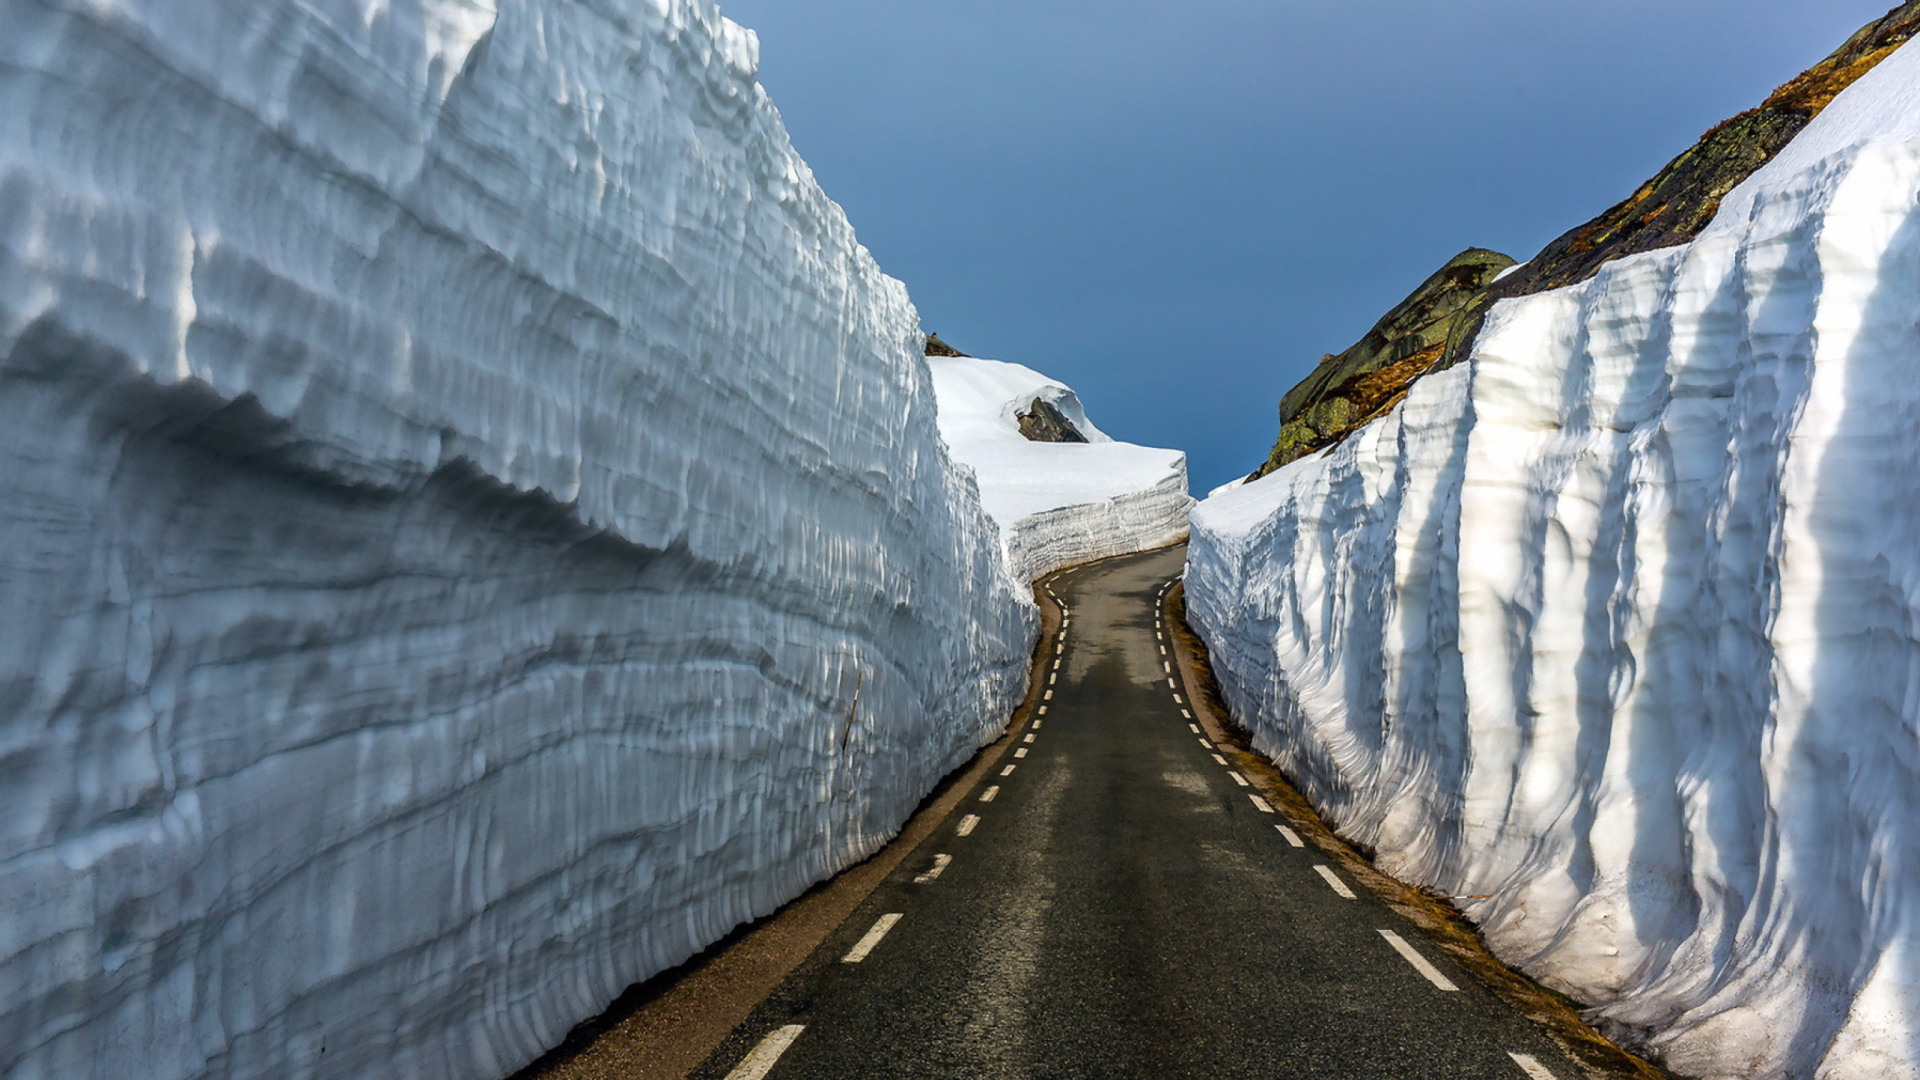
1177	209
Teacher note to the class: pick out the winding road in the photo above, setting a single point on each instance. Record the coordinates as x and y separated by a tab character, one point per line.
1113	899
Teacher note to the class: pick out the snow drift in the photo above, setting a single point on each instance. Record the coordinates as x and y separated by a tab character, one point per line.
1619	625
1057	504
473	529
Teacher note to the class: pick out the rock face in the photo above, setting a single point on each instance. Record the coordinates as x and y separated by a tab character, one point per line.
1613	630
459	471
1057	501
1361	384
1043	422
1672	208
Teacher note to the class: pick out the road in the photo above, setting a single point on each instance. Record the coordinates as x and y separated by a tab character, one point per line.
1112	901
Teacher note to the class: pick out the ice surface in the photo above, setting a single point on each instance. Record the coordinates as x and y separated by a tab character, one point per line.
1619	624
1057	504
474	529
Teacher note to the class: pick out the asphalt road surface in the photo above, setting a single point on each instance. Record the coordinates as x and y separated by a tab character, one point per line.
1114	902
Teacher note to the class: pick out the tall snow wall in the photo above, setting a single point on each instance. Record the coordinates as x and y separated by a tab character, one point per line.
473	529
1614	632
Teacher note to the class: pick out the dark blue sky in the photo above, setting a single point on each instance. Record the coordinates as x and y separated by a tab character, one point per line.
1177	209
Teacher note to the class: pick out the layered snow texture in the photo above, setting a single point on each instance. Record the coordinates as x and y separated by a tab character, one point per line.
473	529
1057	504
1615	632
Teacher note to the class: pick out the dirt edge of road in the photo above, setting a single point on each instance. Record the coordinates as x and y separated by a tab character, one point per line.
665	1027
1450	930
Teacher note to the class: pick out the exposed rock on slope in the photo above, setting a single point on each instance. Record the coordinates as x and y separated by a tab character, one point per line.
1614	630
1360	384
1042	421
457	471
1672	208
1058	501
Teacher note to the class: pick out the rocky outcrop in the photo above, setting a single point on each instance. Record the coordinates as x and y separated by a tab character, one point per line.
936	347
1670	209
1356	386
1042	422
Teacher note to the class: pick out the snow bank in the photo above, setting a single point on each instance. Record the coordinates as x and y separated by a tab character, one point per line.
1619	625
1057	504
473	529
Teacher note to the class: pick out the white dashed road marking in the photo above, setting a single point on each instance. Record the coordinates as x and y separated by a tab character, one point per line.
1022	752
1293	838
1008	771
1334	882
1218	760
1204	742
1195	728
866	944
1186	714
1030	737
757	1064
1529	1065
1048	697
1237	778
987	795
940	864
1261	804
967	824
1176	697
1419	962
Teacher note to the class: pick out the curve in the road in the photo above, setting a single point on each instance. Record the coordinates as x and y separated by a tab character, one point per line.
1118	900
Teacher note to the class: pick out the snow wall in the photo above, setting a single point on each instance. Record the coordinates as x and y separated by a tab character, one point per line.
1619	624
473	529
1057	504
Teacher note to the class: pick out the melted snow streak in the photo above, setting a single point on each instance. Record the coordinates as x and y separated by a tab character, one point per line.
1620	623
1057	504
474	529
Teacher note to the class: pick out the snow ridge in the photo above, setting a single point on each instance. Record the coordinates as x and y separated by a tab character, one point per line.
475	529
1057	504
1619	624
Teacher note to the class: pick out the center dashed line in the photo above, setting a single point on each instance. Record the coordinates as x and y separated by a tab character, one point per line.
987	795
1021	752
1218	760
761	1061
1204	742
968	824
1531	1066
1292	838
940	864
1195	728
1333	882
1261	804
1237	778
862	948
1008	771
1420	963
1030	736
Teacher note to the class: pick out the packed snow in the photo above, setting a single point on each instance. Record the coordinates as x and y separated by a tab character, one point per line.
475	530
1057	504
1615	631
